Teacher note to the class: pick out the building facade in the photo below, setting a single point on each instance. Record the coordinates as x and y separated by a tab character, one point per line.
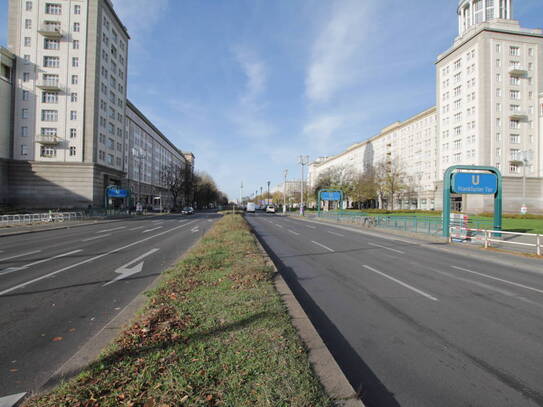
69	120
7	72
489	95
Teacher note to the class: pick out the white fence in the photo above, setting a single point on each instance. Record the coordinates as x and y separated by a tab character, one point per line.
488	238
31	218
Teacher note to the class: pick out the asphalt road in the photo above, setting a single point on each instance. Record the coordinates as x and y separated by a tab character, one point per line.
59	288
413	323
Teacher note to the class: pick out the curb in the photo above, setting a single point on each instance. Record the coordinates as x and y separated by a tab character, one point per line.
325	366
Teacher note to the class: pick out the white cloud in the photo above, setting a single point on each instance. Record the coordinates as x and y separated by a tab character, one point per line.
255	71
321	130
336	54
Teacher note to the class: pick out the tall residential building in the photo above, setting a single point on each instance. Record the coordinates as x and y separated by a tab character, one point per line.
70	100
489	112
7	71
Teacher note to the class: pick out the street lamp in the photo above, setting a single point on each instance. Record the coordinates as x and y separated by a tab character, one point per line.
137	153
241	194
268	203
303	161
526	157
285	173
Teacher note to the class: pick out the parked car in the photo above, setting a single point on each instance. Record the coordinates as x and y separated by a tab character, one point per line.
187	211
251	207
270	209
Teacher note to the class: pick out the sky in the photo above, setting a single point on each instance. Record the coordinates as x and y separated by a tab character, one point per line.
250	85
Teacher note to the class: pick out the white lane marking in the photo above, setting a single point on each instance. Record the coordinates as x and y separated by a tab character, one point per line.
96	237
158	221
111	230
537	290
125	271
58	256
195	229
269	221
387	248
210	220
20	255
323	246
182	220
293	232
150	230
90	259
310	227
337	234
138	228
279	226
9	401
410	287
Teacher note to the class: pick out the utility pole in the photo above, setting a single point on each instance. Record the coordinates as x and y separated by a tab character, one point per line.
139	155
303	161
526	157
285	173
268	198
241	194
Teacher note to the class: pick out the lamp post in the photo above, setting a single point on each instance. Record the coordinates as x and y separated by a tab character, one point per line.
137	153
241	194
303	161
285	173
526	156
268	198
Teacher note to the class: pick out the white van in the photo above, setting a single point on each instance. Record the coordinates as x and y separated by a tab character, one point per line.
251	207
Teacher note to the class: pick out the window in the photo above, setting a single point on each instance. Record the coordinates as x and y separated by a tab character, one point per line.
73	115
498	63
24	149
27	59
458	117
73	97
101	155
75	62
48	152
24	113
498	77
26	95
77	27
27	41
50	79
75	44
498	48
51	62
515	81
111	129
515	154
515	108
457	157
457	64
51	8
118	161
498	123
49	115
73	133
498	92
458	91
24	131
77	9
72	151
75	79
457	144
110	159
51	44
498	137
498	107
514	94
119	147
514	51
514	139
28	24
111	113
28	6
49	97
458	130
498	152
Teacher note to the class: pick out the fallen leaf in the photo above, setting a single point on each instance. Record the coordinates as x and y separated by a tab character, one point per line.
184	398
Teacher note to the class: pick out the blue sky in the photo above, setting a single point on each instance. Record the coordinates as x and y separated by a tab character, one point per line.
248	85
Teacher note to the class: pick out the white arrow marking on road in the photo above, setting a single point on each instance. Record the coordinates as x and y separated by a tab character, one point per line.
10	401
12	269
125	271
20	255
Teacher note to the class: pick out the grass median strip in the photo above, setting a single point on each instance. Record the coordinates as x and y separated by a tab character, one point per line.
215	332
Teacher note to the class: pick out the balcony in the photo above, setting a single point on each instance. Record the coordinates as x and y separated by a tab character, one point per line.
50	84
518	71
50	30
47	140
518	115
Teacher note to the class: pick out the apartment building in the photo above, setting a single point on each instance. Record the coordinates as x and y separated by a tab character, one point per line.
489	110
69	120
7	71
291	188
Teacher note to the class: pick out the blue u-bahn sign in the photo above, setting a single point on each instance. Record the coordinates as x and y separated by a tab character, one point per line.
331	196
117	193
474	183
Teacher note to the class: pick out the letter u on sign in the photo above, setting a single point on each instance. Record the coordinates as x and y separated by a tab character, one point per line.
475	180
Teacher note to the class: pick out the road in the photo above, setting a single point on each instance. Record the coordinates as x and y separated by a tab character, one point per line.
413	323
60	288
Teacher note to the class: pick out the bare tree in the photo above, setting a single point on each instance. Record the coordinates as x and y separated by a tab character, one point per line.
390	179
365	188
173	179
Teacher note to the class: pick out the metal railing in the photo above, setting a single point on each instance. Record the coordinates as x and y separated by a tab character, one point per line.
47	217
497	238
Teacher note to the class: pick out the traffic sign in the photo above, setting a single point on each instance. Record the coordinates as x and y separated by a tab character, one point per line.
331	195
117	193
474	183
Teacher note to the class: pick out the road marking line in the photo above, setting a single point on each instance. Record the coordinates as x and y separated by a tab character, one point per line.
11	400
323	246
499	279
310	227
150	230
58	256
111	230
401	283
293	232
96	237
139	227
279	226
337	234
20	255
387	248
124	271
90	259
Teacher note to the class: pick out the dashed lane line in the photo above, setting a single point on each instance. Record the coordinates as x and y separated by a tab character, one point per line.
337	234
58	256
386	248
20	255
410	287
293	232
96	237
111	230
150	230
323	246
